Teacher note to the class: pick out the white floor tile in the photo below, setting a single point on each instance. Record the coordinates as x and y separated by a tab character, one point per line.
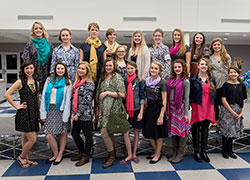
23	178
116	176
201	174
4	165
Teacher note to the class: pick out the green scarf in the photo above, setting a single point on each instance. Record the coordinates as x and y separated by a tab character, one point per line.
43	49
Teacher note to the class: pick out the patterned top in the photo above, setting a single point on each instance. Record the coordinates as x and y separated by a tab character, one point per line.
246	79
41	70
121	70
70	57
85	96
114	84
161	54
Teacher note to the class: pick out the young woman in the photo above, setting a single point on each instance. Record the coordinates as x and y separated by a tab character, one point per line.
179	49
230	118
27	112
139	53
160	52
198	51
67	53
220	62
111	43
134	104
178	88
109	85
55	110
82	112
93	49
120	54
202	94
155	126
39	50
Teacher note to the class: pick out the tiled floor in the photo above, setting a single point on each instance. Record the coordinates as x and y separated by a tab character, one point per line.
218	169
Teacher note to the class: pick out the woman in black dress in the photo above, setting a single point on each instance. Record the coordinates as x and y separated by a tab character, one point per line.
27	112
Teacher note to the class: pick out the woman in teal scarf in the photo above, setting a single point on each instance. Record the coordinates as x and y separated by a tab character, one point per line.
39	50
55	110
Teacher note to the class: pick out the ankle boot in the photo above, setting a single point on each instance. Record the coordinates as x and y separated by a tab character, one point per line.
175	147
196	142
110	161
104	160
224	147
83	160
181	150
230	148
204	136
77	157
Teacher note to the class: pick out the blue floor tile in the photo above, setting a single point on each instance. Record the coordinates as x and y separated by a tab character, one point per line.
235	174
245	156
69	177
1	108
116	168
157	175
9	111
188	163
16	170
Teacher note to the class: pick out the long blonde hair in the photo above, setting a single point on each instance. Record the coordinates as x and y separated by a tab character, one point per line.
182	42
223	52
88	75
32	33
133	45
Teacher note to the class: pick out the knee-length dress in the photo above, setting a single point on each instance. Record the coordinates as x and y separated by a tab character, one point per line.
235	95
154	104
27	119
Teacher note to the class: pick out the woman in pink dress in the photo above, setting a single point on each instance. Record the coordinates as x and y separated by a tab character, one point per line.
202	94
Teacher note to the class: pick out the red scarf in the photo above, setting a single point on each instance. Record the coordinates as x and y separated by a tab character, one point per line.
130	95
75	98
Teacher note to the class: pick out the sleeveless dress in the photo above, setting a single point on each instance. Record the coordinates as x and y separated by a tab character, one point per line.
27	119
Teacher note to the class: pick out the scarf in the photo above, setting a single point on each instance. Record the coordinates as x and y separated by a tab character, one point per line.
59	85
130	95
93	60
111	48
178	86
77	85
152	83
43	49
174	50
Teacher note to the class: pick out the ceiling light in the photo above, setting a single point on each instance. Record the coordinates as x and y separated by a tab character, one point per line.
244	35
227	33
225	39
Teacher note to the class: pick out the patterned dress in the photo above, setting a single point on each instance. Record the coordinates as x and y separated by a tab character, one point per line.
115	84
27	119
41	70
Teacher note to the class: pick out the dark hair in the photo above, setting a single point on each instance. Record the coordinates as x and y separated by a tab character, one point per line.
22	75
104	73
237	70
60	33
65	74
203	45
110	31
184	74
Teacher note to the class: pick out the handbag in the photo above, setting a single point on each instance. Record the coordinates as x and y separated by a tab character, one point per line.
118	122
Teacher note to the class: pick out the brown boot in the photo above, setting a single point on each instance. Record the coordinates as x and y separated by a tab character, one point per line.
77	157
110	161
175	140
83	160
181	150
105	160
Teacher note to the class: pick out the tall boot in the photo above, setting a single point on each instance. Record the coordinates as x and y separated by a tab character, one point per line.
224	147
175	142
110	161
196	142
181	150
230	148
204	137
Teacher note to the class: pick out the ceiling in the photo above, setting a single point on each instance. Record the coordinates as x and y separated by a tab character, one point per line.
123	37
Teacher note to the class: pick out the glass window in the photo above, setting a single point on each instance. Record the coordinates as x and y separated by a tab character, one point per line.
11	61
11	78
0	62
1	76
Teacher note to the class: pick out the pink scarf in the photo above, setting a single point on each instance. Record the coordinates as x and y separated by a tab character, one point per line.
75	98
174	50
178	86
130	95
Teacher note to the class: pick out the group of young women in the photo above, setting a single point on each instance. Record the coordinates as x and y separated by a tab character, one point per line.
158	86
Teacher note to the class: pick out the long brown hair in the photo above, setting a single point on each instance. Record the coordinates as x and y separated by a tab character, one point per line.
88	75
132	63
203	45
184	74
237	70
104	73
182	42
67	81
209	74
223	52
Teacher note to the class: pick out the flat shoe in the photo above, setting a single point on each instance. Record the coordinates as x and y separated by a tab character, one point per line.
47	161
124	161
57	162
150	157
154	162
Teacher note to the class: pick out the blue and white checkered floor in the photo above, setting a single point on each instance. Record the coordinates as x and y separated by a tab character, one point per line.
218	169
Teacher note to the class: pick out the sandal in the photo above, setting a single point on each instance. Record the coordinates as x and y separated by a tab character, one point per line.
136	160
32	163
22	161
124	161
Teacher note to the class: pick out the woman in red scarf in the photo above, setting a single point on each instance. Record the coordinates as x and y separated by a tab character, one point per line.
82	112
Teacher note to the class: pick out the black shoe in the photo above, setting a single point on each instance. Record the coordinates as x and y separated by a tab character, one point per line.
154	162
48	161
197	157
225	155
57	162
149	157
205	157
232	155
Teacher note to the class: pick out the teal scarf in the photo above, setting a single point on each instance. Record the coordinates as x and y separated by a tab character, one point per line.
43	49
59	85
